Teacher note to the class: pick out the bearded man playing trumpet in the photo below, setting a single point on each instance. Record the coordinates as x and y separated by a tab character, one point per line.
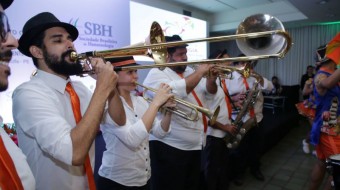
176	158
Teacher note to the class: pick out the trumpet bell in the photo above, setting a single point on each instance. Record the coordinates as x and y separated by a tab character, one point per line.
270	44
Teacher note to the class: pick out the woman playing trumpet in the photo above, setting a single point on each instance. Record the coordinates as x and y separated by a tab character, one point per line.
126	162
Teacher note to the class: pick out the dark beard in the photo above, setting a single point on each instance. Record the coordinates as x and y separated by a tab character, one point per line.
6	56
61	66
3	87
178	69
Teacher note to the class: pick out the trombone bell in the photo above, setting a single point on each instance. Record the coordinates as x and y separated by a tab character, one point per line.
269	44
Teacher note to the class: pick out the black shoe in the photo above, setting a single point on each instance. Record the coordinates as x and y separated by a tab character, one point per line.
257	174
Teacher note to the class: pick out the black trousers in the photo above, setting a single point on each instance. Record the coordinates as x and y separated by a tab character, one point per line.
107	184
248	153
216	164
174	169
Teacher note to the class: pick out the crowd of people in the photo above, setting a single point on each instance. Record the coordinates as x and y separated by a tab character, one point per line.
148	144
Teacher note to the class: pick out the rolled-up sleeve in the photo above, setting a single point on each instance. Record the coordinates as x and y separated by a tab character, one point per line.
157	129
130	134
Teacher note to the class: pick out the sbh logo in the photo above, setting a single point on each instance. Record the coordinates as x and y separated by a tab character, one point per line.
91	28
98	29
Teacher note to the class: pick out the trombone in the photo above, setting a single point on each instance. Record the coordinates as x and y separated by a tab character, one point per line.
257	34
195	108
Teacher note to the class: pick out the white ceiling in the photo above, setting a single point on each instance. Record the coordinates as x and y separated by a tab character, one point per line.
227	14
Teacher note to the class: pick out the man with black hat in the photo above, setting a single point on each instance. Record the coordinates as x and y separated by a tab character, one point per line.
57	118
176	158
15	173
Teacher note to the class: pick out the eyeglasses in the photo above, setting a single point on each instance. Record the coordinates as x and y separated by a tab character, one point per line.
4	27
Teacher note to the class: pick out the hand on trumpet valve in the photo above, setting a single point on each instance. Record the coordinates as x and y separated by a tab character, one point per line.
204	69
162	95
213	73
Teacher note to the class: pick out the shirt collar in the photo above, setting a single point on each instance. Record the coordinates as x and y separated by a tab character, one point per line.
52	80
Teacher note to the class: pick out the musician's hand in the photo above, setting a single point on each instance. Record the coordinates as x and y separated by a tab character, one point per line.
170	103
231	129
212	74
104	74
203	69
238	97
162	95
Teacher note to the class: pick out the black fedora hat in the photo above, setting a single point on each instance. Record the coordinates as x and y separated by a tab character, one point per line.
38	24
5	3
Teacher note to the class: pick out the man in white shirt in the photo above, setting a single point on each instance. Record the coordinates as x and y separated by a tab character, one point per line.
176	158
216	164
14	170
57	119
247	154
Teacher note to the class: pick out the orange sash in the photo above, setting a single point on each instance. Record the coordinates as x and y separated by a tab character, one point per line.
204	118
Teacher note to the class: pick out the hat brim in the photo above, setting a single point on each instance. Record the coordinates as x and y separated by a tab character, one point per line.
5	3
26	39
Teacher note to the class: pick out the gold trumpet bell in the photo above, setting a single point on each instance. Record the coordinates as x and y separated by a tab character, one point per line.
213	117
269	44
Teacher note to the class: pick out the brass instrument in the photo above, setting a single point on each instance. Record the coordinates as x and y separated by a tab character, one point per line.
195	108
242	128
253	38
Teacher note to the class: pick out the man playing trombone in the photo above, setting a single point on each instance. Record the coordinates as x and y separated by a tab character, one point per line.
176	158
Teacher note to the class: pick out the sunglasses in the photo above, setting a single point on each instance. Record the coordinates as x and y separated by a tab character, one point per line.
4	27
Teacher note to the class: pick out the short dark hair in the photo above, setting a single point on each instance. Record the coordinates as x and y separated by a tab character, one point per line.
39	42
218	54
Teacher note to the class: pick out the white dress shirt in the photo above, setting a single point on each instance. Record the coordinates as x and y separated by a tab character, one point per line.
127	159
44	118
185	134
236	85
223	116
19	160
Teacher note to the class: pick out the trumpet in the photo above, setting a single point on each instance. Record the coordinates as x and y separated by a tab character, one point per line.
195	108
259	36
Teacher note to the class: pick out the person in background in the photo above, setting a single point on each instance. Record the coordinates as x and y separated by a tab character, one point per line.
249	151
305	77
126	161
58	118
15	173
307	107
216	166
325	129
176	158
277	90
